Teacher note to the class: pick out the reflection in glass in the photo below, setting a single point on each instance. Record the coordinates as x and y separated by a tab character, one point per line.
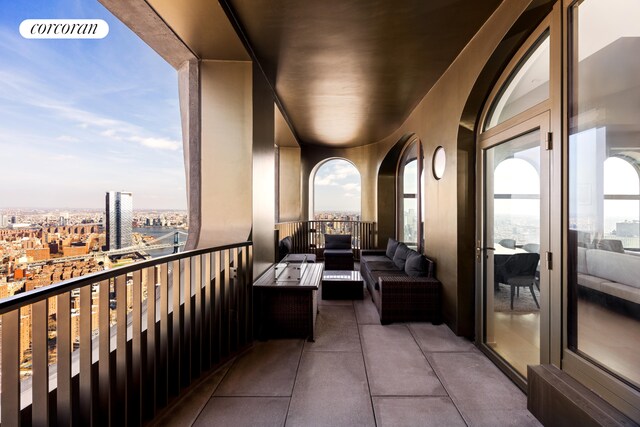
512	227
604	186
527	86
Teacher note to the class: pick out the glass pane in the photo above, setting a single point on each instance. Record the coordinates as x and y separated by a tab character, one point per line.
410	212
512	227
604	186
527	86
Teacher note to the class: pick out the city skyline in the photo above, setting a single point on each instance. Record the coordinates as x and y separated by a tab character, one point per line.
81	115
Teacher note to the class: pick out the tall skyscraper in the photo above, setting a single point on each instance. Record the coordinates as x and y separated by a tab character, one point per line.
119	218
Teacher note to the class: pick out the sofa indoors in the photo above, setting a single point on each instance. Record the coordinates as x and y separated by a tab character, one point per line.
402	284
610	272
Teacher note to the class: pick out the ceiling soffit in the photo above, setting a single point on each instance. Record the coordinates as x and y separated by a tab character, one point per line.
350	73
204	27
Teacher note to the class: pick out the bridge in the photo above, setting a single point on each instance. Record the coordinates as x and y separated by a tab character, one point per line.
141	247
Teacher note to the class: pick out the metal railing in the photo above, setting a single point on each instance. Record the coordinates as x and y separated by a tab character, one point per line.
110	368
308	236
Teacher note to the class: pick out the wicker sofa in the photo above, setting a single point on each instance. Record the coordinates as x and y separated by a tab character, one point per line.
402	284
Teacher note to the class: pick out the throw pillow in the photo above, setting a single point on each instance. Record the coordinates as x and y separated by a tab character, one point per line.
416	265
392	245
400	257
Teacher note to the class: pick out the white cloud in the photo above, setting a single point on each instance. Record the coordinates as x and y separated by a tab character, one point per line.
67	138
158	143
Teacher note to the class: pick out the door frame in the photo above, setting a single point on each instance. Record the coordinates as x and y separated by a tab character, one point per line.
540	121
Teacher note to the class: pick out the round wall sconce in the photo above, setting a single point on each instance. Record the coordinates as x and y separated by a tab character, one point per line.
439	162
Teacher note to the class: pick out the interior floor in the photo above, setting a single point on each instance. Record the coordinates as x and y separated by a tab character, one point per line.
605	335
610	338
357	373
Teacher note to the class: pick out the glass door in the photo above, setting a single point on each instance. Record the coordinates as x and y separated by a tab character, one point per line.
515	241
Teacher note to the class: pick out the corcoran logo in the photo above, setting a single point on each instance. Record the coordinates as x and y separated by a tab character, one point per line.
64	29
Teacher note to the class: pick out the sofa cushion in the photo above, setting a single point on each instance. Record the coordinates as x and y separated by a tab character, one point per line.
381	266
337	241
582	260
374	258
416	265
392	245
400	257
614	267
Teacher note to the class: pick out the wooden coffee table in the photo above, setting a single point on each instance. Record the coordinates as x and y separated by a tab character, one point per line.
342	284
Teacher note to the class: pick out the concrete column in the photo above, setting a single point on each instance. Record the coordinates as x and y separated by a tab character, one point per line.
189	92
226	152
263	174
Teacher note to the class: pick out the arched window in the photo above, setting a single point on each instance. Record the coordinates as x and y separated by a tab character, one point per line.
410	195
622	202
528	85
336	191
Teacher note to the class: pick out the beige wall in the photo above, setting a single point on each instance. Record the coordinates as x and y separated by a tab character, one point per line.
226	151
289	184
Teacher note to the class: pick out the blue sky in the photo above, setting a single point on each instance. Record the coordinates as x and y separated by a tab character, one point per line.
82	117
337	187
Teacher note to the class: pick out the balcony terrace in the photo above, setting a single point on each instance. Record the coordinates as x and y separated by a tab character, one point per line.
204	367
356	373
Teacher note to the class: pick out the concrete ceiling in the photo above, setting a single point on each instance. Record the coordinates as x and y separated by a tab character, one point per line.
349	73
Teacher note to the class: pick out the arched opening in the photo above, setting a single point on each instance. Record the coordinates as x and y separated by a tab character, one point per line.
622	202
409	202
335	191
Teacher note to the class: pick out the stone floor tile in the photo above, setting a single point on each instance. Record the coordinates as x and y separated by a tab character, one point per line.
186	410
501	417
416	411
336	330
395	363
268	369
244	412
476	384
433	338
331	390
366	312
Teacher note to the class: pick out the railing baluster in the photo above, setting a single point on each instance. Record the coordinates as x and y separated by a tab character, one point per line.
11	368
186	280
225	287
135	401
216	305
104	369
197	323
206	321
40	363
176	341
242	295
86	356
163	359
213	300
64	407
233	301
119	408
152	344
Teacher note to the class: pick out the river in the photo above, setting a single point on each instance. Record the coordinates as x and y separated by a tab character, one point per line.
159	232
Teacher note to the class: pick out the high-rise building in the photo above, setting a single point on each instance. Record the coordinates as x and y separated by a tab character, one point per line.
119	218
